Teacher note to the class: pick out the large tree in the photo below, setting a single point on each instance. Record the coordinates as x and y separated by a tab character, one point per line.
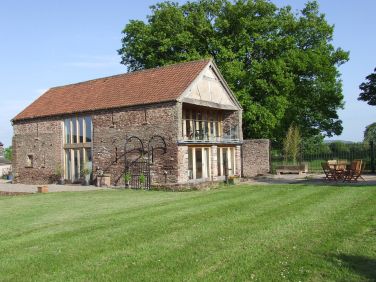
370	133
280	64
368	89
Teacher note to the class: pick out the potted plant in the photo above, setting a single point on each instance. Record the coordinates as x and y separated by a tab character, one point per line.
127	178
85	172
59	175
233	179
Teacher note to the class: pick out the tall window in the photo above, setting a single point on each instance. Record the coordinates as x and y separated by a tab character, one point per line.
77	145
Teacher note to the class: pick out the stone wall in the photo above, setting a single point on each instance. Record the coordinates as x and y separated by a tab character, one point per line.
111	128
214	163
183	164
41	140
255	157
238	160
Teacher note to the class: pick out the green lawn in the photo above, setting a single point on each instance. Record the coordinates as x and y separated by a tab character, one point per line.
258	233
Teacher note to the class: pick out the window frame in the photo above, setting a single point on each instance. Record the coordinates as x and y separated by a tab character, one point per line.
75	155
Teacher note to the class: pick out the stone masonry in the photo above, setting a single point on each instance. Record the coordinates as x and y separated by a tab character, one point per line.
111	128
37	150
255	157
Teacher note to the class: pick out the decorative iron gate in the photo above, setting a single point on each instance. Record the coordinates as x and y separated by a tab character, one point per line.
138	161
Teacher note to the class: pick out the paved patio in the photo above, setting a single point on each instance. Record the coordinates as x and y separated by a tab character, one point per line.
310	179
6	186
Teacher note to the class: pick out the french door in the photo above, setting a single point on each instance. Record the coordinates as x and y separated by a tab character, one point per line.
198	162
226	161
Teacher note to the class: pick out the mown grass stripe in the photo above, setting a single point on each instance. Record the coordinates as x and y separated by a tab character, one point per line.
242	233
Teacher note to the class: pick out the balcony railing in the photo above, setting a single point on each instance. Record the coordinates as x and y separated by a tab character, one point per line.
208	131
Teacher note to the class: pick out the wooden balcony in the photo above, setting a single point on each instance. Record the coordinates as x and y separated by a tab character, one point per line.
206	131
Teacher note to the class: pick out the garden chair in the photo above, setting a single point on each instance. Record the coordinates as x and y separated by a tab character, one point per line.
330	173
355	171
331	163
340	169
341	164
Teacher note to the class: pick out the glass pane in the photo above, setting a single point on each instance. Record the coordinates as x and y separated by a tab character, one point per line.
193	115
81	129
219	161
76	170
188	129
74	130
231	161
225	163
198	163
206	129
67	164
82	164
88	129
88	159
199	116
200	131
190	164
67	131
207	162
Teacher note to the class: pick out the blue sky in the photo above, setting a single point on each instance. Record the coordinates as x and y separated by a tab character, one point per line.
51	43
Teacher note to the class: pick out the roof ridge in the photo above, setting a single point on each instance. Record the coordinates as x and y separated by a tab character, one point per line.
131	73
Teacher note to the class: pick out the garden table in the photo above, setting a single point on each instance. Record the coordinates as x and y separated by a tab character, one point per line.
339	170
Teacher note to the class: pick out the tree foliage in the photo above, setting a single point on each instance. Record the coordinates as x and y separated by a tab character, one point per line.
291	144
280	64
315	145
8	153
339	147
370	133
368	89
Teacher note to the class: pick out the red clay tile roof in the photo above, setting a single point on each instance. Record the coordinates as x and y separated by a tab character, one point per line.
140	87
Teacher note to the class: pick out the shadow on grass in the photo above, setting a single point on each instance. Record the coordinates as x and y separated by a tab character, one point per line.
364	266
